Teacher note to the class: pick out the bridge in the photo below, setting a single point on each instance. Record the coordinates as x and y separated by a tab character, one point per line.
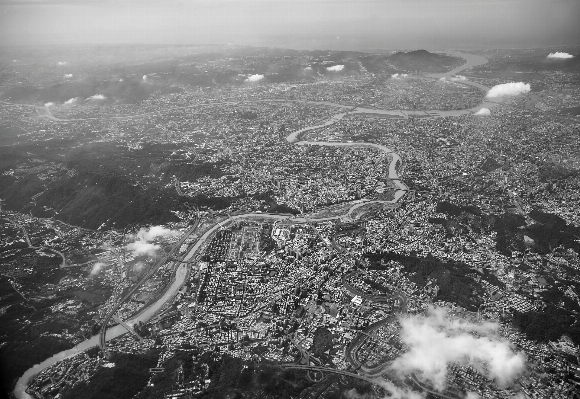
155	370
127	327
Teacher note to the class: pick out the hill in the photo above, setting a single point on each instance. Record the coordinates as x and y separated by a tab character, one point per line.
423	61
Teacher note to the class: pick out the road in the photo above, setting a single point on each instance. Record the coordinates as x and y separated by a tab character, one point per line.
62	265
183	269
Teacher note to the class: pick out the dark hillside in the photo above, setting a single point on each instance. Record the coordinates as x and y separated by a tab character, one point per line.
125	380
89	200
452	277
130	89
424	61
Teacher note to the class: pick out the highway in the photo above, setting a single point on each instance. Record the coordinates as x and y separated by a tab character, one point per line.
446	394
328	370
147	276
130	330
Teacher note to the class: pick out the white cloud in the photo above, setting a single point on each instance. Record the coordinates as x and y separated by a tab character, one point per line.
254	78
483	112
335	68
96	97
61	63
308	68
68	75
142	244
456	78
155	232
508	89
435	341
97	267
560	55
71	101
141	247
144	77
48	104
402	75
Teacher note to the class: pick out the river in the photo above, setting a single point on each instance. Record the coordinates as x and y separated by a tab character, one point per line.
113	332
182	271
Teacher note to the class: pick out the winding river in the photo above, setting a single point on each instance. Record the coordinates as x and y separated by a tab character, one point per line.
182	271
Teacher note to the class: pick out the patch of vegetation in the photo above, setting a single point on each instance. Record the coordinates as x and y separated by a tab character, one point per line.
489	165
550	172
125	380
283	208
193	171
549	232
451	277
548	325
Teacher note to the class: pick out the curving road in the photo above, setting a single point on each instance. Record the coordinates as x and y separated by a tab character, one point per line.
328	370
351	351
183	270
25	232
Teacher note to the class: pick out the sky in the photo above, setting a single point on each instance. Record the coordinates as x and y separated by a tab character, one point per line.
299	24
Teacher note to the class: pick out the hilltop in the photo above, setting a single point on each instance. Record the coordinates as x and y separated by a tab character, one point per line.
423	61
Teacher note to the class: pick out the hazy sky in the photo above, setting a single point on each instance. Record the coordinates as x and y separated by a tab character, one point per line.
302	24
